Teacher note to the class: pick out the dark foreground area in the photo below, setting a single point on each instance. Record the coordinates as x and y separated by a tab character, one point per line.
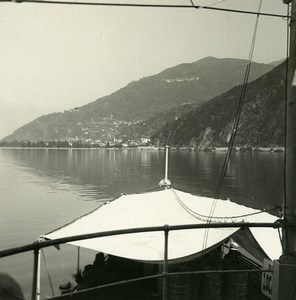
214	282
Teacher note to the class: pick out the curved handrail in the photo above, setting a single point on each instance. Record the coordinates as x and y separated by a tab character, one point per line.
47	243
39	244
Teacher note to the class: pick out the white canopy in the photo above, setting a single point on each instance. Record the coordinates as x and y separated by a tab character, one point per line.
171	207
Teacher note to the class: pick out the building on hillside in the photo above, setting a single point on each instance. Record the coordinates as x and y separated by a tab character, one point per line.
145	140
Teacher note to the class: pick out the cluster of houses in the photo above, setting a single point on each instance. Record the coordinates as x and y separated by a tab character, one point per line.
111	142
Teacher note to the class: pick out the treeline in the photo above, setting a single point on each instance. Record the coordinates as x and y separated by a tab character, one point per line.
48	144
262	122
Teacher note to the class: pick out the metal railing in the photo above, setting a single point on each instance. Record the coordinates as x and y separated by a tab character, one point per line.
36	246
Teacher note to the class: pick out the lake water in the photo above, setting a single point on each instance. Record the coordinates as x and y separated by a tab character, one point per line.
42	189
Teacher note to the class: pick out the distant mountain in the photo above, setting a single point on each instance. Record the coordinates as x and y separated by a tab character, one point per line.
149	127
185	84
261	122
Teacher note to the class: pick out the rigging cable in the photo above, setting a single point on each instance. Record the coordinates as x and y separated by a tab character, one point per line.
143	5
204	6
48	275
236	123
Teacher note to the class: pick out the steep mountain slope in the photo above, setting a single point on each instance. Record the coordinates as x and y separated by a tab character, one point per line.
261	122
106	117
186	83
151	126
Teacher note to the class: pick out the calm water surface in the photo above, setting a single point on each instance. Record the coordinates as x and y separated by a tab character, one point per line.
42	189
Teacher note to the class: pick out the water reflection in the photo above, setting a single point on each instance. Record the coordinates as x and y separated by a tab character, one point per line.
255	179
42	189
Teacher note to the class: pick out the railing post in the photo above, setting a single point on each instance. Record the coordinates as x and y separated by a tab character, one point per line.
78	259
36	274
165	263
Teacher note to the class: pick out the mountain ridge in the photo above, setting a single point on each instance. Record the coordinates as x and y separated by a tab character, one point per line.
210	125
109	116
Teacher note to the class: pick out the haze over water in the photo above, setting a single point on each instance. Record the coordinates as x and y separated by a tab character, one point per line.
42	189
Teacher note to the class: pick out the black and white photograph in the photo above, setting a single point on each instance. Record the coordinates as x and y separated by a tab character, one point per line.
148	149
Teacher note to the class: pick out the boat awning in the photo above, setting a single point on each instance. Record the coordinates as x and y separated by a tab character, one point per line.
172	207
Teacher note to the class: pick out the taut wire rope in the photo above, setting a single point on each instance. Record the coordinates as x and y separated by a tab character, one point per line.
142	5
48	275
205	6
236	123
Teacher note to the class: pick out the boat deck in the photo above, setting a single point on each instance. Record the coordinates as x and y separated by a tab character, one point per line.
203	279
145	291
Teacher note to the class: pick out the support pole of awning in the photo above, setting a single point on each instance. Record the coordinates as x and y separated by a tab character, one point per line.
78	259
165	263
165	182
166	162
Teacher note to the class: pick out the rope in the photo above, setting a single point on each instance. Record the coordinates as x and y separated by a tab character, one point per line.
48	275
219	219
236	123
154	189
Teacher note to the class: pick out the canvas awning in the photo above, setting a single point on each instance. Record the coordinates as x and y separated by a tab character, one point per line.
172	207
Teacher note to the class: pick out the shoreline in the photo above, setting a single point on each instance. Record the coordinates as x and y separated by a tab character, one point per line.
153	148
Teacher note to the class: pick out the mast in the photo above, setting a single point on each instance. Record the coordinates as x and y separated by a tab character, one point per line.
290	201
165	182
285	269
166	162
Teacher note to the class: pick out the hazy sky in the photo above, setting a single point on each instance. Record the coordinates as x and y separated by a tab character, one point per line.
56	57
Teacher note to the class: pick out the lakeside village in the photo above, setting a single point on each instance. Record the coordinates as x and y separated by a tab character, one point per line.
143	144
109	133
